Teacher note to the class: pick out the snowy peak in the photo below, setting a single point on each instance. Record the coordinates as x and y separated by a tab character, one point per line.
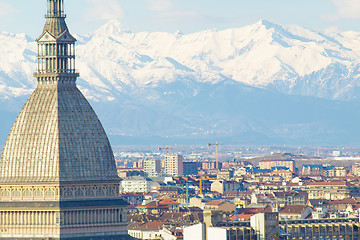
289	59
113	27
209	84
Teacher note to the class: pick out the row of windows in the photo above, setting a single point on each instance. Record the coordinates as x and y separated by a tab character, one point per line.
56	49
38	193
88	192
27	193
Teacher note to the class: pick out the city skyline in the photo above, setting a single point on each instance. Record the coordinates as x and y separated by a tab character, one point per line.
186	16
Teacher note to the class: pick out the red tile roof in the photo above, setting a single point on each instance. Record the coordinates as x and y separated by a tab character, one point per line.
250	210
293	209
343	201
152	225
241	217
355	206
168	202
214	202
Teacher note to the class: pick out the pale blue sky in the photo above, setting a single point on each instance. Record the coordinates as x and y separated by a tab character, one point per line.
84	16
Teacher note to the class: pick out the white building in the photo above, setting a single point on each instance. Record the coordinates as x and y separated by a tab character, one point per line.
158	234
195	232
264	225
202	232
174	165
320	212
152	167
137	184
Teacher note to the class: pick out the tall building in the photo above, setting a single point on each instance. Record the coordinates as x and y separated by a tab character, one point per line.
355	169
173	165
152	167
58	178
268	164
191	168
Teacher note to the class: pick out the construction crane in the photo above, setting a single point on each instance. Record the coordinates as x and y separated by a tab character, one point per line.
205	178
166	149
217	152
187	194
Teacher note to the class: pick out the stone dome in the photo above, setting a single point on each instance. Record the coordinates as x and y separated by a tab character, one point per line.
57	137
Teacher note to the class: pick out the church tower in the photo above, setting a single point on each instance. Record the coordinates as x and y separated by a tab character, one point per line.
58	178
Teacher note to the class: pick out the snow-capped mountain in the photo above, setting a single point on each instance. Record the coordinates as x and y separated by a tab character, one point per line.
292	60
263	82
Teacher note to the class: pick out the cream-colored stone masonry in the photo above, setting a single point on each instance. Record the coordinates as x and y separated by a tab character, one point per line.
57	137
31	192
58	178
50	222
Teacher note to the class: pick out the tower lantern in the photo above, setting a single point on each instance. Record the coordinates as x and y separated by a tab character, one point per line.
56	48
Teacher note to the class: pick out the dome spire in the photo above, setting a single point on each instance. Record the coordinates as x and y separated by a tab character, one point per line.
55	9
55	18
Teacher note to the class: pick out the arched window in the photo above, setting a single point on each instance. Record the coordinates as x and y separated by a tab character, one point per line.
68	193
79	193
49	193
110	191
16	193
89	192
5	193
100	192
27	193
38	193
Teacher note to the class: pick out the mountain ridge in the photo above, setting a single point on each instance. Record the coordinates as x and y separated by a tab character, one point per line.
254	82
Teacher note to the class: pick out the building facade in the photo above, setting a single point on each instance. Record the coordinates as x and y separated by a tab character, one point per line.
173	165
137	184
355	169
282	199
269	164
58	177
335	190
191	168
223	186
315	229
152	167
268	226
312	169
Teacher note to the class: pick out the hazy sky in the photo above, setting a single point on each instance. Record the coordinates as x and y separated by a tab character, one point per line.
84	16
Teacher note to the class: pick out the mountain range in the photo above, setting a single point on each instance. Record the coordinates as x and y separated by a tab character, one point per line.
260	84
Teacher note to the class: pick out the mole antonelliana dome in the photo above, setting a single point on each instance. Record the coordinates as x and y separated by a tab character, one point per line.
57	135
58	178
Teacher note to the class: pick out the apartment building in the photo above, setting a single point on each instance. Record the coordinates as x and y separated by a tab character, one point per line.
336	190
173	165
152	167
269	164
